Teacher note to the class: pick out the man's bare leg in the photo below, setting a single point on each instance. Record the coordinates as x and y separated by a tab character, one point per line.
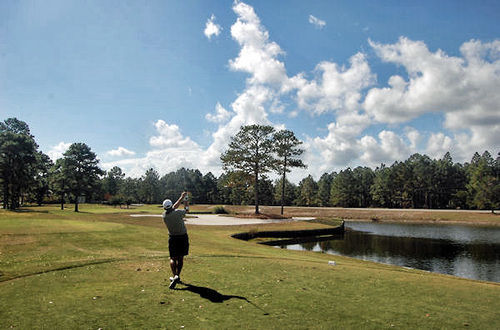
176	264
180	263
173	266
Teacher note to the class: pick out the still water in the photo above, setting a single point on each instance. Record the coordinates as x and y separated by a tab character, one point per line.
464	251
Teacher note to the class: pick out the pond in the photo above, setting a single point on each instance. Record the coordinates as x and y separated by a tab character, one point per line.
465	251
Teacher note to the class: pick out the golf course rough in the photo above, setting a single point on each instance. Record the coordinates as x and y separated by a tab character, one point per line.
100	269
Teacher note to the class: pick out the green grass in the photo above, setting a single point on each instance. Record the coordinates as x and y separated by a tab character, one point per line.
104	269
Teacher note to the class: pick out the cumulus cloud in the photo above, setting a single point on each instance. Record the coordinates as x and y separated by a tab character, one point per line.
361	116
212	28
339	147
414	137
58	150
336	88
258	55
170	150
464	88
120	152
170	137
389	148
221	115
438	144
318	23
435	82
249	108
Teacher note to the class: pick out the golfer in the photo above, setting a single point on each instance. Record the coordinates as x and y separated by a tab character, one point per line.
178	242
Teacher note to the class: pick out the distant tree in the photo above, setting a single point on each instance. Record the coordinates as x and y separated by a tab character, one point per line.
18	158
363	180
150	187
450	180
324	187
307	192
484	184
129	189
57	182
211	194
174	183
343	191
80	170
41	185
290	192
266	191
422	185
251	153
113	180
236	187
287	148
223	189
381	189
401	185
196	187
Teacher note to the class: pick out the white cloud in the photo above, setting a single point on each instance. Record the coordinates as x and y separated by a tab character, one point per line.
170	137
58	150
170	150
212	28
388	149
258	58
249	109
339	147
465	89
257	55
335	88
414	137
318	23
221	115
120	152
462	89
438	144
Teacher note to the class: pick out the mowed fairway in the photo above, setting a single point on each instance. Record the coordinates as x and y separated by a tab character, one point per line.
102	268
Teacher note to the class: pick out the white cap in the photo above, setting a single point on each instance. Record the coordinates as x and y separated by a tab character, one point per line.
167	203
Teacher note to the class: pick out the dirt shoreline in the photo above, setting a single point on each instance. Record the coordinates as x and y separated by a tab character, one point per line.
465	217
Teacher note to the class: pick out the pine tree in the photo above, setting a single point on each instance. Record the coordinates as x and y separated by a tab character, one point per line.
251	153
80	170
287	149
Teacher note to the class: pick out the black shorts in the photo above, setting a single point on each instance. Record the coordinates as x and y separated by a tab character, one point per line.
178	245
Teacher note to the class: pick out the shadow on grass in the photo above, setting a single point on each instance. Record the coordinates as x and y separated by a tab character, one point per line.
209	294
26	210
214	296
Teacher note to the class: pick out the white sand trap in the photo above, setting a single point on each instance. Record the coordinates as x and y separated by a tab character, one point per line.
218	220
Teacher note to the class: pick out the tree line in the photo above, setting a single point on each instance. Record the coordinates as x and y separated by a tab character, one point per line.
29	176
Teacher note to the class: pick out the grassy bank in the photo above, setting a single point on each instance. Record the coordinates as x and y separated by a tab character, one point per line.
103	269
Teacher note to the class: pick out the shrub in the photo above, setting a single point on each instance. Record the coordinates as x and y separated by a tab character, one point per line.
116	200
220	210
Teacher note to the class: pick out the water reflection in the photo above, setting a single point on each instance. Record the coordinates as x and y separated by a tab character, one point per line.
470	252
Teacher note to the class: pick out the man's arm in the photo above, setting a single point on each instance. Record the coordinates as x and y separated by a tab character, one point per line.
179	201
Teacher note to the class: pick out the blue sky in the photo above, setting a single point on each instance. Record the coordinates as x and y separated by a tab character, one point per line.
165	84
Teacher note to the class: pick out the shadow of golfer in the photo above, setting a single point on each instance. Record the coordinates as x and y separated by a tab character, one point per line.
214	296
209	294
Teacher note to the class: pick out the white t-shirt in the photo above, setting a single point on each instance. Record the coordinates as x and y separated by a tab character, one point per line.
175	222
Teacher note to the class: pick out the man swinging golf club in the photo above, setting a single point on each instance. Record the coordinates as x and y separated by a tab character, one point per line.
178	242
